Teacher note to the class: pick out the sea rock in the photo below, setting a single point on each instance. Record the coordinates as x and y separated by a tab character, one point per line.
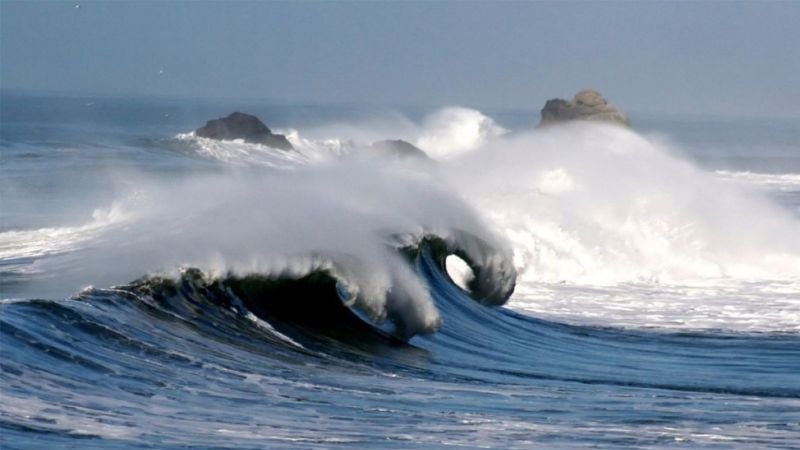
243	126
398	148
587	104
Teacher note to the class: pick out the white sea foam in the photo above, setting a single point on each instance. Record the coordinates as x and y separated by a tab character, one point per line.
593	204
785	182
40	242
452	131
443	134
727	304
238	151
80	421
611	227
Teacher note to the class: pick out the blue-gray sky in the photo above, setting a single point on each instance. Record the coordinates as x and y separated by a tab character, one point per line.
739	58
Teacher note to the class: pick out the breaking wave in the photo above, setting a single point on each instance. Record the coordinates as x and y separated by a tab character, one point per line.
580	212
572	286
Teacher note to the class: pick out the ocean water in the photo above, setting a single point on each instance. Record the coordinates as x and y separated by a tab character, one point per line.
579	286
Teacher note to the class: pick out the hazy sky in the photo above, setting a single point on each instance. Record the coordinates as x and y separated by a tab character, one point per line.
704	57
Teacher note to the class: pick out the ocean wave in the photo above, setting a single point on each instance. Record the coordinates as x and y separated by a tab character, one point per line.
22	246
315	288
572	208
572	286
349	219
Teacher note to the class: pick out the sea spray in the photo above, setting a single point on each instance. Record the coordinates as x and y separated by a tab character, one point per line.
599	204
449	132
344	217
442	134
594	214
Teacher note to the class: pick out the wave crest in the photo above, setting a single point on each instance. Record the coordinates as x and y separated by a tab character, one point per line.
312	291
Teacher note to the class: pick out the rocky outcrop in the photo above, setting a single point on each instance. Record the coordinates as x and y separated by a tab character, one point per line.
588	104
398	148
243	126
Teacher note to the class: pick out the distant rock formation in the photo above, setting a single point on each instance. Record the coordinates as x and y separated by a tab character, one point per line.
243	126
398	148
588	104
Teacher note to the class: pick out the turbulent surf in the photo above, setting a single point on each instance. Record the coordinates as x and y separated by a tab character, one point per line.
574	286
